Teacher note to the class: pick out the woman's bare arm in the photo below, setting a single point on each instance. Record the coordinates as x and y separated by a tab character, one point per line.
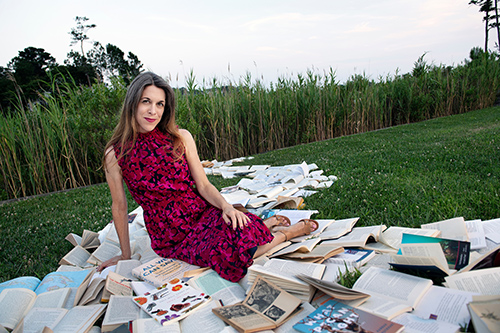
206	189
118	208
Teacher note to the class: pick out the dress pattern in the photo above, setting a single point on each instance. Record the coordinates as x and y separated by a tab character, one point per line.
180	223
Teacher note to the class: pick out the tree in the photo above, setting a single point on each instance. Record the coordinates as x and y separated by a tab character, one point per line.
99	62
7	89
79	34
30	68
487	7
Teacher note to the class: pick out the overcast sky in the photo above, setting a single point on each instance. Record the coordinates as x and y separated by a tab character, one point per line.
270	39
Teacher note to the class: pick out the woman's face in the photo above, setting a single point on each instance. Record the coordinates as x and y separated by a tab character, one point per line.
150	108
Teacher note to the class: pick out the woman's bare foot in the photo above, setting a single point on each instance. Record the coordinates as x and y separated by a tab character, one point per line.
301	228
277	221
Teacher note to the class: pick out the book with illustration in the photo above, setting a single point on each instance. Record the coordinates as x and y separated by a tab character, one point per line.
172	302
335	316
266	307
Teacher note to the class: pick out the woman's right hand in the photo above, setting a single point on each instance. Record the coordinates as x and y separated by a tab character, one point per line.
110	262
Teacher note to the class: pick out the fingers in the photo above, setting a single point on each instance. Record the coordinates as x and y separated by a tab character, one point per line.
107	263
236	219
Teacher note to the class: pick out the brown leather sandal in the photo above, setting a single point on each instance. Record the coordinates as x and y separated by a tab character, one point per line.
309	226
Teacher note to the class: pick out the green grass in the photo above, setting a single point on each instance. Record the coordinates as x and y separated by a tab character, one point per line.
406	175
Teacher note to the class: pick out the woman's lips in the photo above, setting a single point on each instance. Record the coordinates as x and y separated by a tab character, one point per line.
150	120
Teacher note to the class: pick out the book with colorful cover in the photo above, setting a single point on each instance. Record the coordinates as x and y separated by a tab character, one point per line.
335	316
456	252
172	302
161	270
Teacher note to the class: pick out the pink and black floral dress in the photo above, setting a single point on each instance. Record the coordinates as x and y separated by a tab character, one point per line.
180	223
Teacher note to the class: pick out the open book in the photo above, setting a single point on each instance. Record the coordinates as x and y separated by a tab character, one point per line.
335	290
225	291
16	302
283	273
78	256
351	257
390	239
161	270
481	281
454	228
338	228
76	280
121	310
172	302
358	237
436	257
266	307
203	321
79	319
392	293
334	316
318	254
485	311
88	240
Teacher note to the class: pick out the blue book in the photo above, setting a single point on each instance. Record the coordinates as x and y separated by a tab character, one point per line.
334	316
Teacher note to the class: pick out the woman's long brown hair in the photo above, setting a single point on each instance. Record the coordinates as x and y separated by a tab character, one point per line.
125	132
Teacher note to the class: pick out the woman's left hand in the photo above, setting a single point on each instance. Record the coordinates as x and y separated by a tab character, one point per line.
235	217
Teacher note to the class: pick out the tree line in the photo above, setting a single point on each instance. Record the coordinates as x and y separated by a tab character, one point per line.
30	73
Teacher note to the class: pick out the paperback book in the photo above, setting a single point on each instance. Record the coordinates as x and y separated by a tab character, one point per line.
172	302
335	316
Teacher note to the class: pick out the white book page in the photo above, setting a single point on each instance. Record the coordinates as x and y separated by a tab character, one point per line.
492	230
357	237
305	246
14	303
483	281
450	229
105	251
393	235
204	320
121	309
78	256
149	325
287	326
37	318
384	306
415	324
52	299
78	319
477	237
125	267
289	269
220	289
448	305
433	251
397	286
339	228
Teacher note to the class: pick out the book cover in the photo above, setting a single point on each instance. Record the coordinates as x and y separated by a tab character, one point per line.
161	270
334	316
456	252
172	302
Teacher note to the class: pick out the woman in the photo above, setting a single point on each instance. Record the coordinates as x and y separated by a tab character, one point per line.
185	215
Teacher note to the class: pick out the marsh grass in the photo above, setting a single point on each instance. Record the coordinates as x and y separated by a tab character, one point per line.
56	143
405	176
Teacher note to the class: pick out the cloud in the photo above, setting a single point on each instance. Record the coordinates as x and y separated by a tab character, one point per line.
288	21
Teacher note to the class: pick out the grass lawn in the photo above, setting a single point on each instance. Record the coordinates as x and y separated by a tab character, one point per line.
406	175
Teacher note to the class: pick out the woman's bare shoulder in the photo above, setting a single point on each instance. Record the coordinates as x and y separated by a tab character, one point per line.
185	133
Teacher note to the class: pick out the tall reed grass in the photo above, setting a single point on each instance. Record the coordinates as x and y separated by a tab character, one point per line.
56	142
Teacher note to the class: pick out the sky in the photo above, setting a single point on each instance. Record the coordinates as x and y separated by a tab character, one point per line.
271	39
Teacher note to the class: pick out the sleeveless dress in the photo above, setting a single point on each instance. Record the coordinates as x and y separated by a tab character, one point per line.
180	223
